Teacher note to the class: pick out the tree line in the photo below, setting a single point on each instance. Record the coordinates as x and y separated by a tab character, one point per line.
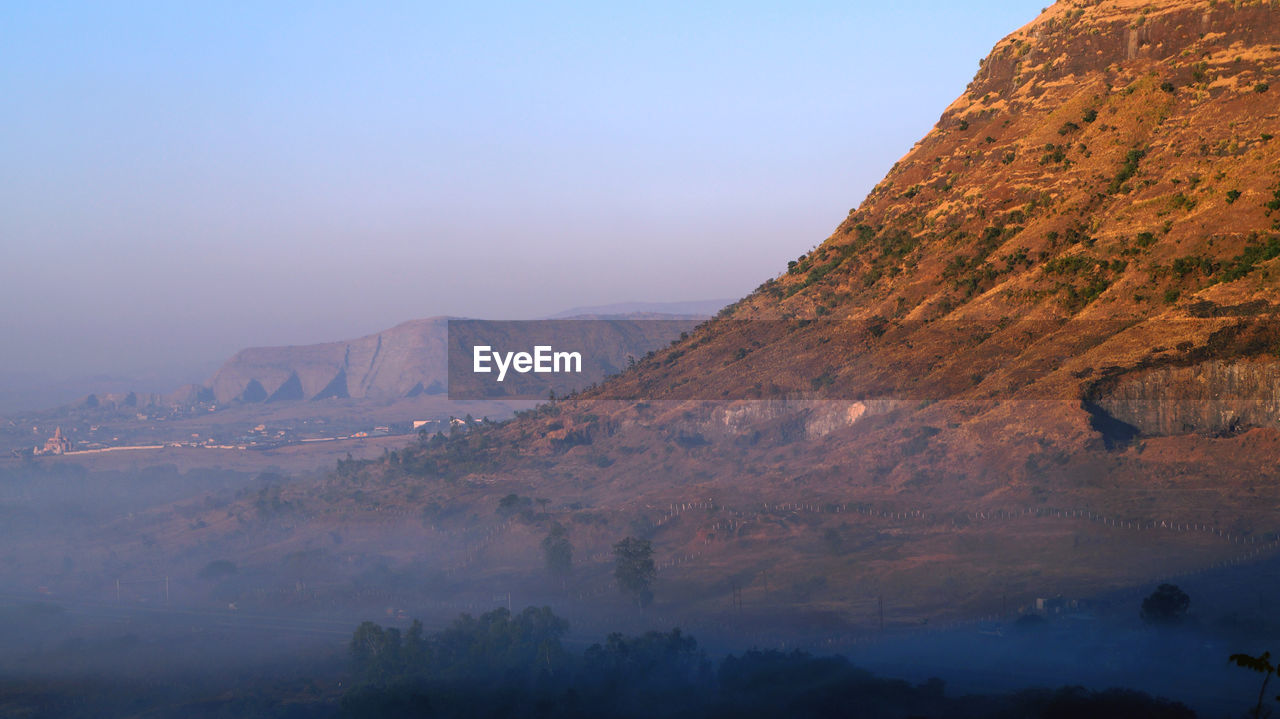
502	664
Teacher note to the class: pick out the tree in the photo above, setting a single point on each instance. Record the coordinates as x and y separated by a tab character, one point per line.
495	644
648	665
1168	604
558	551
217	569
415	651
634	569
375	652
500	644
513	504
1261	664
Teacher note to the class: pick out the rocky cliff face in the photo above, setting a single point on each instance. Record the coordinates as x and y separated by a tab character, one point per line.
412	358
1215	397
1073	39
403	361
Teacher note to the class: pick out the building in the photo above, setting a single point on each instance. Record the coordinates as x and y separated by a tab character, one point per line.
57	444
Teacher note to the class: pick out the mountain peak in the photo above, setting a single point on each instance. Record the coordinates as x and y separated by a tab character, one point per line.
1097	147
1074	39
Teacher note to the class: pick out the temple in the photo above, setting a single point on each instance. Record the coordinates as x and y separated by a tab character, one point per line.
57	444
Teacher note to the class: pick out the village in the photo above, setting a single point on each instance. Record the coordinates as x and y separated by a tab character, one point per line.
76	436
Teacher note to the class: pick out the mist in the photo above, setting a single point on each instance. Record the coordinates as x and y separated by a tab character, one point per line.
260	595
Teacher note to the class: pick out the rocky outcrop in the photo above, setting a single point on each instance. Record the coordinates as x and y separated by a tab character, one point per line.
1216	397
1075	39
808	419
385	366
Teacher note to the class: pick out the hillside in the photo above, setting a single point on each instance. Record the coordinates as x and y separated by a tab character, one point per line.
1102	196
1076	260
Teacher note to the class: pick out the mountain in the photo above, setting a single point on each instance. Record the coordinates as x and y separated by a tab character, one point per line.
409	359
404	361
1079	257
1093	219
1093	224
21	392
1110	163
1037	360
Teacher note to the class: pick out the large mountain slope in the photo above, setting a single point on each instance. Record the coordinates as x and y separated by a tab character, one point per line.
1111	175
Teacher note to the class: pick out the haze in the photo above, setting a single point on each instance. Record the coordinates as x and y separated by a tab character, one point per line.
181	182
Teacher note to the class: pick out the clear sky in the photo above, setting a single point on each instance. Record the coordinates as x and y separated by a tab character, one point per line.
179	180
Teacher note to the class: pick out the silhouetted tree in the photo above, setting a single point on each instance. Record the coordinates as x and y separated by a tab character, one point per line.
1168	604
1261	664
634	569
513	666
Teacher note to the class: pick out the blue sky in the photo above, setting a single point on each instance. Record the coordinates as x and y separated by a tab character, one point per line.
181	180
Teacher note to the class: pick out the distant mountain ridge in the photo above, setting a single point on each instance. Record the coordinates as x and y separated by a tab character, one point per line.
404	361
